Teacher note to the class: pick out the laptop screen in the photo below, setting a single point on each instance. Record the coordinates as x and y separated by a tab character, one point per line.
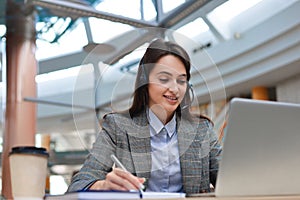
261	151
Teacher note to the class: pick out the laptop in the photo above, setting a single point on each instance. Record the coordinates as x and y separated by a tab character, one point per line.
261	152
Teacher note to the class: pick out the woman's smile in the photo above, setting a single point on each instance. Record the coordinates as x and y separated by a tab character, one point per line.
171	99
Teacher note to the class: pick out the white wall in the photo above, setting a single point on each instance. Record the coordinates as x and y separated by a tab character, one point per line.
289	90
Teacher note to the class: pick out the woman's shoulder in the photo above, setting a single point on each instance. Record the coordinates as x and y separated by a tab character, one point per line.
113	120
199	118
116	116
123	120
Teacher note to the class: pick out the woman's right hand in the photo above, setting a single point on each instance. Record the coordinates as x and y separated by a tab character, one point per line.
119	179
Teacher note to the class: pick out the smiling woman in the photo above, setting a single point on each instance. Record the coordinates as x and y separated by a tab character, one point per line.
238	46
161	144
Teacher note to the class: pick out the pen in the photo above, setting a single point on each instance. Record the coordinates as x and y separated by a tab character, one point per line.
119	164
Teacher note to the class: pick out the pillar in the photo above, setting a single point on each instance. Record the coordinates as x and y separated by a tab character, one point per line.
45	143
20	116
260	93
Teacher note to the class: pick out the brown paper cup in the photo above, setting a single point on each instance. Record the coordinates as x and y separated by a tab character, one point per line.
28	169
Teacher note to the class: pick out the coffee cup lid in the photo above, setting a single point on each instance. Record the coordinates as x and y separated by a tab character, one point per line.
29	150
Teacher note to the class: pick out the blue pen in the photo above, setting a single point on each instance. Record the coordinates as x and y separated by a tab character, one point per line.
119	164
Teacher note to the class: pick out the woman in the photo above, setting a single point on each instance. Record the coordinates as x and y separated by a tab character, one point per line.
162	145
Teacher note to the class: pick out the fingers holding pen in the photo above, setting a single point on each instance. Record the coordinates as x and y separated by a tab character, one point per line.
127	180
119	179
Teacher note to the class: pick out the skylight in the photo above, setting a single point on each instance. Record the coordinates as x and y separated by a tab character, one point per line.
121	7
2	30
149	12
103	30
222	16
232	8
189	29
237	17
169	5
65	44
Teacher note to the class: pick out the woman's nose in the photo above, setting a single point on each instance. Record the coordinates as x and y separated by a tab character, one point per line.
173	87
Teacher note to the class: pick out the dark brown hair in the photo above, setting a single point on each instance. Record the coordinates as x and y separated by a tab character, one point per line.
157	49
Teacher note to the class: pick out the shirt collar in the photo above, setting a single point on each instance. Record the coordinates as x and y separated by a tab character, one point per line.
157	125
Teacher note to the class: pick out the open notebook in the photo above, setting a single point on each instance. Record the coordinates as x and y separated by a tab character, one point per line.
112	195
261	152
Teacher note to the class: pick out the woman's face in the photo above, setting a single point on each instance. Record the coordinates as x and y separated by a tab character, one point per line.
167	86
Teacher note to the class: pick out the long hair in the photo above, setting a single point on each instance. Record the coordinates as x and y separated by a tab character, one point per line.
157	49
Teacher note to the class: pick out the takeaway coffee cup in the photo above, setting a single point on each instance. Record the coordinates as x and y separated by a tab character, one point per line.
28	169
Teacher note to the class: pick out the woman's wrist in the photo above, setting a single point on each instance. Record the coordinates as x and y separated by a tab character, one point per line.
98	185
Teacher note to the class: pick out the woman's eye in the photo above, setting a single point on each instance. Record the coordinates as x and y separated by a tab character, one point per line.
163	80
181	82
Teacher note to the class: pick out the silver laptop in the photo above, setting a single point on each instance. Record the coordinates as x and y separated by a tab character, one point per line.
261	152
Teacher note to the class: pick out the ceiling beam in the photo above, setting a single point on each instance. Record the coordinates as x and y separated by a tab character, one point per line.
65	8
62	62
181	12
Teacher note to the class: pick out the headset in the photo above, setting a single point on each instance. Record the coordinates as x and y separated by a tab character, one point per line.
192	97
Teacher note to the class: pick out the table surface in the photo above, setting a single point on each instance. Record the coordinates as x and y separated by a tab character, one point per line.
291	197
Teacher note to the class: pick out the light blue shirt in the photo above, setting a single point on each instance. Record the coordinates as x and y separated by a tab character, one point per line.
165	172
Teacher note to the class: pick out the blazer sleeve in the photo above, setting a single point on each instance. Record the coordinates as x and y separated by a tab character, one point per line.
98	162
215	154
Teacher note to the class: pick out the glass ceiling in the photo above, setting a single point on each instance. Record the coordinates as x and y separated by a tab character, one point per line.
224	22
197	29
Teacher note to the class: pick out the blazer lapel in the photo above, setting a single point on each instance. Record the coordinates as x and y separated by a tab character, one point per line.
140	145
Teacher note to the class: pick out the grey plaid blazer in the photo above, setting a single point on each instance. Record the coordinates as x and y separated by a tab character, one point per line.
129	139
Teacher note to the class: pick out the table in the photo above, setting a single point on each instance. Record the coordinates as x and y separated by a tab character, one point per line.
289	197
